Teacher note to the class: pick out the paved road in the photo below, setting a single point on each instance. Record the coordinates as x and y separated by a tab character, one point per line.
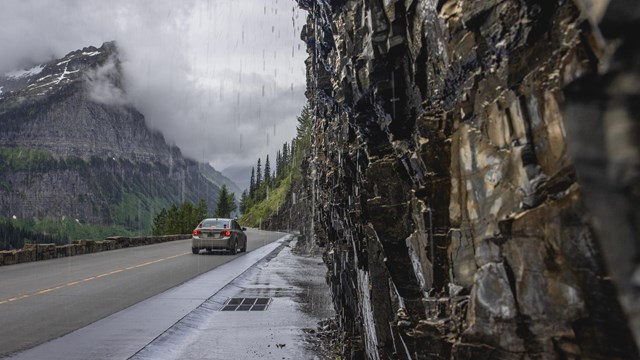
44	300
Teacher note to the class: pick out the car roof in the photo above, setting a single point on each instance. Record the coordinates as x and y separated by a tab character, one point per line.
218	219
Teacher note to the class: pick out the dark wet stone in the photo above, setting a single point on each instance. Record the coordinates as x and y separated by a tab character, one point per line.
465	215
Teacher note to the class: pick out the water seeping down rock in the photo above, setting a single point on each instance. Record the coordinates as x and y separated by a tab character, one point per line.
474	175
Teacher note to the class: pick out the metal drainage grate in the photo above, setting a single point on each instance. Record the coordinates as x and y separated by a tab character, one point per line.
246	304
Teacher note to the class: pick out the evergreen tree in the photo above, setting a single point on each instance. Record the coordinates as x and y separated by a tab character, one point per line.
201	212
267	172
258	175
233	205
244	202
285	154
172	225
159	223
185	218
252	184
304	123
226	203
13	237
179	220
278	164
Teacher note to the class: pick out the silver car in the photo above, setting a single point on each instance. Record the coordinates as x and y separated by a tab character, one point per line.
219	234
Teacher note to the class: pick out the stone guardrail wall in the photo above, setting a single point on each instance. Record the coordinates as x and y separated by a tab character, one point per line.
37	252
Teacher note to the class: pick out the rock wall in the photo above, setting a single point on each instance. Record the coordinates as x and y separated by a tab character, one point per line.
461	207
37	252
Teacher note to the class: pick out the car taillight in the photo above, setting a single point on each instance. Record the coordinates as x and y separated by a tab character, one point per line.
226	233
197	232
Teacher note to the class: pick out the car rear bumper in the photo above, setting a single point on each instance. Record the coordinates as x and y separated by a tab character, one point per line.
199	243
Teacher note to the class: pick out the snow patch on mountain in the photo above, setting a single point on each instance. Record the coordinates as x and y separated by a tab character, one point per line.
65	73
45	79
16	74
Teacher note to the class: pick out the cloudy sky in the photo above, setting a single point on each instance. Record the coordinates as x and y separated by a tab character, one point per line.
222	79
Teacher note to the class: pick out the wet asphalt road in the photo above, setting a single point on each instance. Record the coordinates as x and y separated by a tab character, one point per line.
44	300
299	298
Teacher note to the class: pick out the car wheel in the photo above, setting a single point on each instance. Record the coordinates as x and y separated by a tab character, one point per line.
234	249
244	248
195	250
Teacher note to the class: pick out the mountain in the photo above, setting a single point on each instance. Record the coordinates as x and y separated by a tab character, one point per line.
219	178
72	147
239	174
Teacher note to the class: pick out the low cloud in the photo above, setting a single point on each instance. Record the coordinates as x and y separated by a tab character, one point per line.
221	79
102	84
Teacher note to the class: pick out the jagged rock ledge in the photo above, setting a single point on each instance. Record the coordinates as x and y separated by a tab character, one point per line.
459	219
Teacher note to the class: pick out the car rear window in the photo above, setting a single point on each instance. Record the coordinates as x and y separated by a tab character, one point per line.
216	223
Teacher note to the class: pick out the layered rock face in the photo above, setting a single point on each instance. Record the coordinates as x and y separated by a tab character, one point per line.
462	209
72	146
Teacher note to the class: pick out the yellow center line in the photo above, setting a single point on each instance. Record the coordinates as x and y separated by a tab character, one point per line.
91	278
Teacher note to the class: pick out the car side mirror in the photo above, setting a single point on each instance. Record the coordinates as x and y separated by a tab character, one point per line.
244	229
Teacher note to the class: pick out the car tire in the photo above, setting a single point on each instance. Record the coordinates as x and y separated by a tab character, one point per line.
234	249
195	250
244	248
